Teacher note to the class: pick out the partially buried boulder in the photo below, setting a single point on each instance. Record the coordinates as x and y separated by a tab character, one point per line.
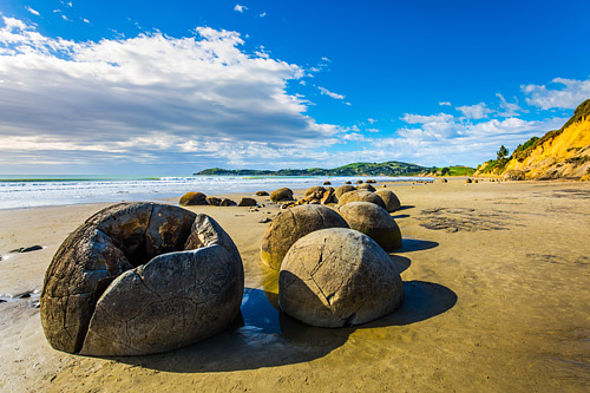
247	201
261	193
371	181
227	202
361	196
348	182
281	195
127	282
365	186
213	201
327	183
338	277
343	189
391	200
293	224
359	182
373	221
193	198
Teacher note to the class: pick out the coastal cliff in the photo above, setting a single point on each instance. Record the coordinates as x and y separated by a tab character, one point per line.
563	153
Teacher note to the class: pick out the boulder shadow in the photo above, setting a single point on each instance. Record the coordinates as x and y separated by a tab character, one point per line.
409	245
399	216
405	207
269	337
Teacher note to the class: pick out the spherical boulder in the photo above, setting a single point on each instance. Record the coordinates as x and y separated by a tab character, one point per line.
373	221
366	186
193	198
247	201
360	196
281	195
371	181
338	277
348	182
227	202
391	200
293	224
343	189
327	183
127	282
359	182
261	193
468	180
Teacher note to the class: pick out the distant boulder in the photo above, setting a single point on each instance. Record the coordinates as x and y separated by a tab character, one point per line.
514	175
261	193
371	181
348	182
282	195
327	183
213	201
468	180
193	198
366	186
247	201
359	182
227	202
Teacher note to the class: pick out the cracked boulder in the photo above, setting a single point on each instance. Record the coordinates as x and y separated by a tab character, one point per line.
293	224
338	277
360	196
373	221
391	200
140	278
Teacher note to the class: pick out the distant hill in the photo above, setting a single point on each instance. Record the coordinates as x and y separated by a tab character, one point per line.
563	153
390	168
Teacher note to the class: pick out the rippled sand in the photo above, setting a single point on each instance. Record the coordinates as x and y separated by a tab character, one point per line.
497	299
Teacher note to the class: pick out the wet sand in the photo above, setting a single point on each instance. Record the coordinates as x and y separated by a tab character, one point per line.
497	299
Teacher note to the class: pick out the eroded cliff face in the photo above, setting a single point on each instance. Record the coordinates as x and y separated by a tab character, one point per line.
564	153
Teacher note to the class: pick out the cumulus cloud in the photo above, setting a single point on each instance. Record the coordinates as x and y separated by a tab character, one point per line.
150	99
568	93
444	103
326	92
240	8
477	111
32	11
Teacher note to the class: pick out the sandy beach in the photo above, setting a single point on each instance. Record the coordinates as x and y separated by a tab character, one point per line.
497	299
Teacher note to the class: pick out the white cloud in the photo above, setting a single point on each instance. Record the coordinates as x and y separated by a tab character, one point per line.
569	95
477	111
240	8
510	109
262	14
150	99
85	20
32	11
444	103
331	94
64	17
371	120
373	130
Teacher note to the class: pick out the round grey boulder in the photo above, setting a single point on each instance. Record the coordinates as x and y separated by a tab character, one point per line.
366	186
129	280
361	196
373	221
343	189
293	224
391	200
338	277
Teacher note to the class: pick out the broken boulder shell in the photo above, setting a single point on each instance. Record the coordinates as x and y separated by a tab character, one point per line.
141	278
338	277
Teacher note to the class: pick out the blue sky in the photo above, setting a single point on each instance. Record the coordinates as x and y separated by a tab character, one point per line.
165	88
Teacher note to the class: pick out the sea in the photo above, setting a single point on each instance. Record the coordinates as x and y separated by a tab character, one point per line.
34	191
